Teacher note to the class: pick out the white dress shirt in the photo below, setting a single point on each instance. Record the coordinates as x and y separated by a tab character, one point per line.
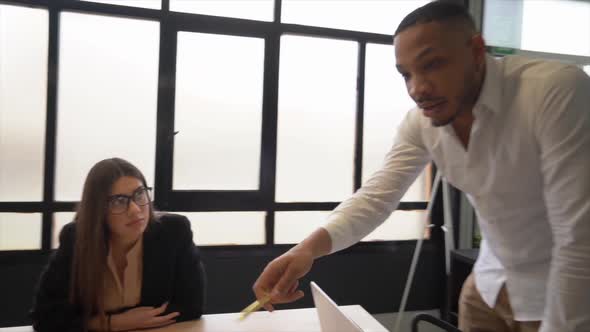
527	173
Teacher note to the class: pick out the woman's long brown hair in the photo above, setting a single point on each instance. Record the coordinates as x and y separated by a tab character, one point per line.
93	235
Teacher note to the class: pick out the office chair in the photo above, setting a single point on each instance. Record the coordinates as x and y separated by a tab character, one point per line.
434	321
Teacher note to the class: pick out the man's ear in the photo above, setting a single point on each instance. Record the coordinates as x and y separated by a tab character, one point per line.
478	48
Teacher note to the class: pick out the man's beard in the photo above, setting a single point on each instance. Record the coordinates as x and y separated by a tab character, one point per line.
463	101
444	122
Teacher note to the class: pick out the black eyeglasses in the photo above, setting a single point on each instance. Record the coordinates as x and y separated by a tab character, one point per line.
118	204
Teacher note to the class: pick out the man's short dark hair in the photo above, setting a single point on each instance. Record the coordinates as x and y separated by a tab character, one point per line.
436	11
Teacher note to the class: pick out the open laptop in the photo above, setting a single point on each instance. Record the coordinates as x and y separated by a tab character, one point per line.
332	319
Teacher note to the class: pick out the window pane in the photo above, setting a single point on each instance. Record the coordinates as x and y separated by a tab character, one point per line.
587	69
218	111
568	17
317	97
250	9
386	104
60	219
380	16
502	23
227	228
401	225
107	94
20	231
294	226
523	25
154	4
23	89
209	228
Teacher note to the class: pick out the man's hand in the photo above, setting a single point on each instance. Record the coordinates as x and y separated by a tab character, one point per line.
280	278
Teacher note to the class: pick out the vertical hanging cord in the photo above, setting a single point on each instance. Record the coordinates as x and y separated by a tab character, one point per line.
448	226
437	180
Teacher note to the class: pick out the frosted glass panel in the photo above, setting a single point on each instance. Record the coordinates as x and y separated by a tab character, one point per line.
294	226
502	23
250	9
568	18
107	96
401	225
60	219
209	228
386	104
227	228
153	4
218	112
380	16
507	20
20	231
317	97
23	89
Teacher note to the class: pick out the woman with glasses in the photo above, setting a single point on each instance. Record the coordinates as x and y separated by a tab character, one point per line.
120	266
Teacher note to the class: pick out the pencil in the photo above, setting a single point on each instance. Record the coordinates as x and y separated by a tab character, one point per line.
254	307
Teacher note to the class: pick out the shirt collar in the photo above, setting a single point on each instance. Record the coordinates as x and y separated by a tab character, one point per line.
490	97
491	92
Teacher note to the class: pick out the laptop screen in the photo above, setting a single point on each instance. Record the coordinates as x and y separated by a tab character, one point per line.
332	319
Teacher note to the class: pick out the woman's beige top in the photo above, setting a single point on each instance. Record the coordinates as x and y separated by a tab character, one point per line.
127	292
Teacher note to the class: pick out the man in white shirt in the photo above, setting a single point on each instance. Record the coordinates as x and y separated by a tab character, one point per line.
514	135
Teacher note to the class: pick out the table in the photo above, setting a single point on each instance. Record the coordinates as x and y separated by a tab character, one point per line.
292	320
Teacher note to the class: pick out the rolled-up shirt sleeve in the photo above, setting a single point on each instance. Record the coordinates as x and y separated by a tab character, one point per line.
563	136
380	195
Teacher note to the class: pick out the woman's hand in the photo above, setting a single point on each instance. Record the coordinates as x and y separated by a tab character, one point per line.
142	317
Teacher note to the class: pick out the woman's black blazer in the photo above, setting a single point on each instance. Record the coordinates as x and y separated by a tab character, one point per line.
172	271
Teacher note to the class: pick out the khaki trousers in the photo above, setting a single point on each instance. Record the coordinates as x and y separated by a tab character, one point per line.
476	316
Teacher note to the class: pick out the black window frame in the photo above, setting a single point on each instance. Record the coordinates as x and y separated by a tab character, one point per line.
198	200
